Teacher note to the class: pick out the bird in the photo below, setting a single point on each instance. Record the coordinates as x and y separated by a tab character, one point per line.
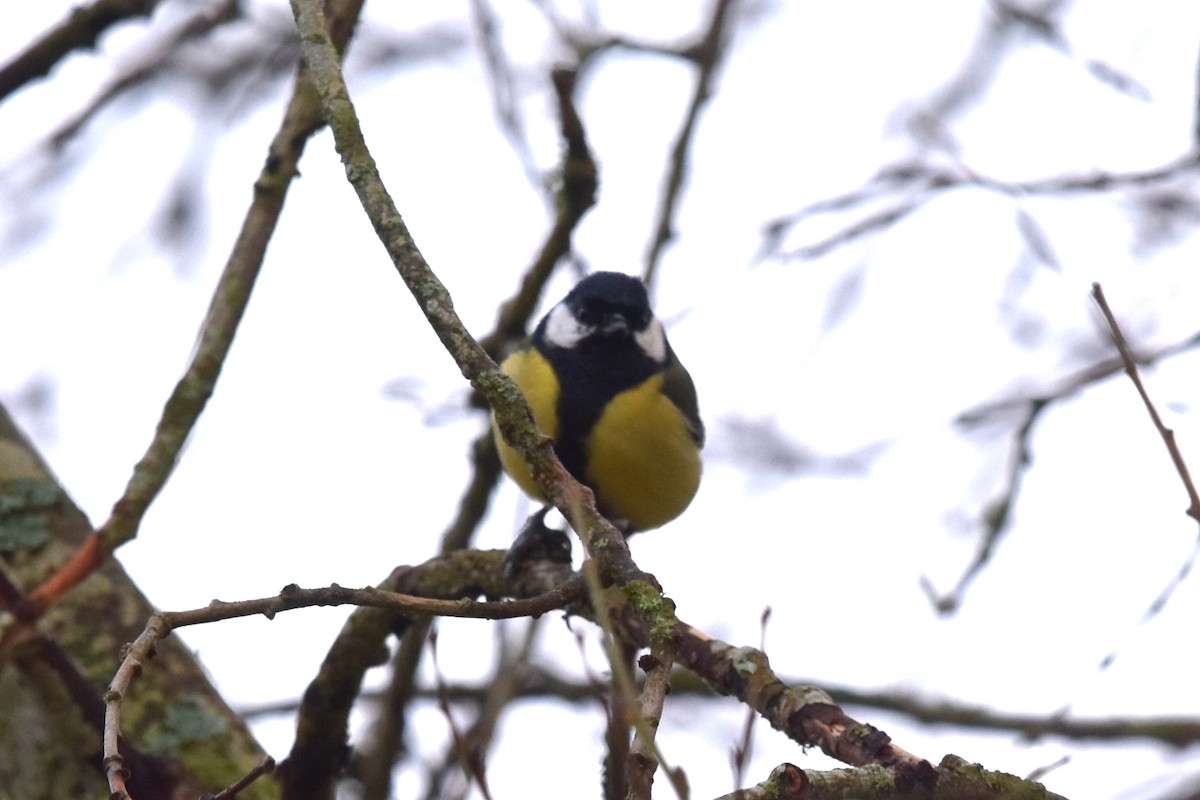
606	387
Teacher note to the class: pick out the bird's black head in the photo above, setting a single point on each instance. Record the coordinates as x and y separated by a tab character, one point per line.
606	319
610	303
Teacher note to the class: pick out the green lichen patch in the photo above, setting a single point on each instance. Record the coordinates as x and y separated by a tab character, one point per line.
24	523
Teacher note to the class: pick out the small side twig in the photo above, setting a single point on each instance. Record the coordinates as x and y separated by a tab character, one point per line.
997	515
266	767
576	195
1175	732
469	758
291	598
644	754
707	55
1168	435
740	757
136	655
901	188
502	83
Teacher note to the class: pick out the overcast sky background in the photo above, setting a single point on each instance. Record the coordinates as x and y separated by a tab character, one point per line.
336	444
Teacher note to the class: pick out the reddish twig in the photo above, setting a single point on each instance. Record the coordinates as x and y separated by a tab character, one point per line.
228	304
81	564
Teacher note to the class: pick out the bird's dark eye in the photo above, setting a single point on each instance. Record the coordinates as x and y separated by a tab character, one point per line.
588	316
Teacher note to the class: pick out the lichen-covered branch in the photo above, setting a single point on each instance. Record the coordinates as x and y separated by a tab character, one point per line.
952	779
513	416
181	739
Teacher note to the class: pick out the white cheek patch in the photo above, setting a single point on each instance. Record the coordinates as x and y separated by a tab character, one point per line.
562	329
653	341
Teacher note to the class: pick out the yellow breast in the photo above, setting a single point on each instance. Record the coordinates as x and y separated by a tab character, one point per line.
535	377
641	460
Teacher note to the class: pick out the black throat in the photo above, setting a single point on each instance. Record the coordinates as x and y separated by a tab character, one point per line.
590	374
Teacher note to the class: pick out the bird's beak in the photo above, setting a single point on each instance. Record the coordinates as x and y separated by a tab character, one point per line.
614	323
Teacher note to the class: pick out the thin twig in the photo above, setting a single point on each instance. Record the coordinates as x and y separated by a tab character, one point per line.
228	304
289	599
500	691
503	88
293	597
740	756
265	767
1176	732
131	666
644	754
1168	435
576	196
905	187
468	758
148	65
997	515
707	55
378	754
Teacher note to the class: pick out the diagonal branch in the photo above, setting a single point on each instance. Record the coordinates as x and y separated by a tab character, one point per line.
513	417
1168	435
229	301
78	30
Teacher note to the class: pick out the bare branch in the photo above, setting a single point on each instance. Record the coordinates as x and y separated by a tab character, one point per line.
265	768
576	195
502	84
644	754
707	55
1168	435
997	515
225	311
79	30
470	760
292	597
904	187
1177	732
197	25
377	756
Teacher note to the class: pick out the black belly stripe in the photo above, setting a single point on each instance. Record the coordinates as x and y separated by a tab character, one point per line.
590	375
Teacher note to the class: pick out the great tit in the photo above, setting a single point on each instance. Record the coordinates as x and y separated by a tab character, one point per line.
605	385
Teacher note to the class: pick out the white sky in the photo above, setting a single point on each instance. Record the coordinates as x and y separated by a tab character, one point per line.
303	469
